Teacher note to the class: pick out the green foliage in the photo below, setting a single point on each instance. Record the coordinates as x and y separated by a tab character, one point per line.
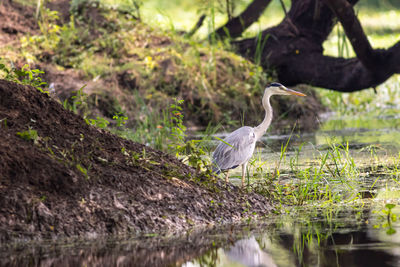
78	101
24	76
169	134
65	44
385	100
192	152
29	135
121	49
178	130
49	37
72	46
120	119
343	44
260	48
98	122
49	29
150	127
390	206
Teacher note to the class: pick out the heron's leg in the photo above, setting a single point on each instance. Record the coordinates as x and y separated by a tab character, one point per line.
227	176
244	165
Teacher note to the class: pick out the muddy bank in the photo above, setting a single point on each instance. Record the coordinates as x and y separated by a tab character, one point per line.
62	177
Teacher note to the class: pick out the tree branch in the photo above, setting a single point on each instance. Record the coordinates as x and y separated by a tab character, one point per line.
339	74
237	25
345	13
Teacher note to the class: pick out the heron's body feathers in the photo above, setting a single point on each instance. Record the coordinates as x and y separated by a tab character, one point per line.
240	149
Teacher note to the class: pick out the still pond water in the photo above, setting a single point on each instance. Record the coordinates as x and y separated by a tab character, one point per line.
363	232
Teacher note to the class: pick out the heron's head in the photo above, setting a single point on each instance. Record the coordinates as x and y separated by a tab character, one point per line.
279	89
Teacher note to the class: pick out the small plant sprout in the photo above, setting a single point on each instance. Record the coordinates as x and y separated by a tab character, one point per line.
77	101
83	170
29	135
98	122
120	119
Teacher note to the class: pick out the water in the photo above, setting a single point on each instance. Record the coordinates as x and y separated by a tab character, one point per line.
363	232
349	238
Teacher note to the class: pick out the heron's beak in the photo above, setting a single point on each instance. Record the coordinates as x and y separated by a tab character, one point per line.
293	92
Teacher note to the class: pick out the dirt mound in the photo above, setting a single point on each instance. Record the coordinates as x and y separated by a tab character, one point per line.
62	177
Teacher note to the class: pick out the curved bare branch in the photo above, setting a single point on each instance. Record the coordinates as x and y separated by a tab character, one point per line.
237	25
345	13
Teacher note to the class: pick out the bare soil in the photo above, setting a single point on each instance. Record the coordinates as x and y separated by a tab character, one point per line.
77	180
16	20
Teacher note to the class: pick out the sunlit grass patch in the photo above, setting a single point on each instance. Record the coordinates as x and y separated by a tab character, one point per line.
384	101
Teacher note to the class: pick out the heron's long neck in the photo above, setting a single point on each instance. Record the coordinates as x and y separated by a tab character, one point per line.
262	128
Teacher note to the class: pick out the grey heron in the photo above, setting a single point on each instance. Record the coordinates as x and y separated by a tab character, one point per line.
238	147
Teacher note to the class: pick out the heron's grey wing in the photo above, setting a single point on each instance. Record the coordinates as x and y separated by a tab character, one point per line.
241	148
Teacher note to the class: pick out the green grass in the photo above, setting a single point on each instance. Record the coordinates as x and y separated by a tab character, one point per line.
365	103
